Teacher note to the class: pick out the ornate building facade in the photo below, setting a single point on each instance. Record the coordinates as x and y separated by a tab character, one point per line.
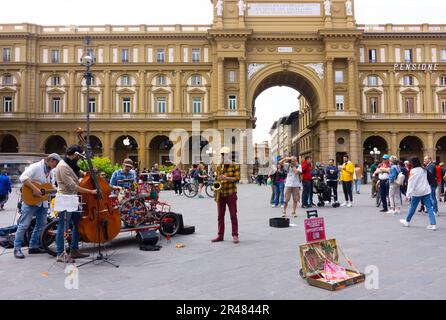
364	86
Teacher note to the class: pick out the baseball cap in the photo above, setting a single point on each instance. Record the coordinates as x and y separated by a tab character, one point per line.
128	162
55	156
386	157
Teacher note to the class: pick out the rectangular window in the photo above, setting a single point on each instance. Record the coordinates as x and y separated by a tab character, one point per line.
161	104
410	105
125	58
372	56
92	105
125	80
160	55
443	55
126	105
408	57
161	80
443	106
196	80
7	104
7	80
408	80
443	80
232	103
6	55
55	103
55	81
373	103
196	53
373	81
196	103
232	76
54	56
339	76
340	103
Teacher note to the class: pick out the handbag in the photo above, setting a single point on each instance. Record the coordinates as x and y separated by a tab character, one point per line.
400	179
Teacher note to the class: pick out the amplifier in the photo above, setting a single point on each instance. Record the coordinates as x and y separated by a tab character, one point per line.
147	237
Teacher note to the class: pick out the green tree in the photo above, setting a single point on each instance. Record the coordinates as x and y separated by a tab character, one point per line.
100	164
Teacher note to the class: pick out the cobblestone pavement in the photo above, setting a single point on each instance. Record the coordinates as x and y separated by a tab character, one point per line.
411	261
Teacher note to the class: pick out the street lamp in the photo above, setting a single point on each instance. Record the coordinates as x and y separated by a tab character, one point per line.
375	152
210	152
88	60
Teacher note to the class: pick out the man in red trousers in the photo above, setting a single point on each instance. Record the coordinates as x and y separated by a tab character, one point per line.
229	177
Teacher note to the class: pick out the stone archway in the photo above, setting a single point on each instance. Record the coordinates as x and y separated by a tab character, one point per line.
441	150
55	144
159	149
370	144
8	144
126	147
411	146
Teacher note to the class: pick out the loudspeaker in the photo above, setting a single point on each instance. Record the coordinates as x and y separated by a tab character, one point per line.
279	222
187	230
147	237
180	222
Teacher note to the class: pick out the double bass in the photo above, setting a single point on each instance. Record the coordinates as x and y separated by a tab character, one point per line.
100	221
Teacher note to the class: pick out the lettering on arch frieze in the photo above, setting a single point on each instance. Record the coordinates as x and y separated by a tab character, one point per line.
318	68
253	68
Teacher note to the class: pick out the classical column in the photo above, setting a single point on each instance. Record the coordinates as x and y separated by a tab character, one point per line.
428	94
142	91
221	85
331	144
329	85
393	106
430	146
354	145
394	148
23	92
142	150
177	106
71	93
106	145
107	98
351	85
242	75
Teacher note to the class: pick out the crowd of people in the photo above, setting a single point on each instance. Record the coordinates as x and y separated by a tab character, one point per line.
393	181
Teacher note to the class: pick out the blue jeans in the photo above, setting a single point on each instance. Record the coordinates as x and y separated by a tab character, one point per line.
434	198
306	193
72	219
279	193
358	185
28	212
414	201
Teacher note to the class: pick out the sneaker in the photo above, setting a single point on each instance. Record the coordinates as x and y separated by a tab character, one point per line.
391	211
349	205
282	206
383	210
344	204
18	254
218	239
36	251
294	215
404	222
77	254
436	214
235	239
273	206
431	227
397	212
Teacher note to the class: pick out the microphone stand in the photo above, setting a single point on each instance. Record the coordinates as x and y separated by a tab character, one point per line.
88	155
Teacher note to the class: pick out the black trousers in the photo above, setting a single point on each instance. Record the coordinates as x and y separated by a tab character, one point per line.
306	193
384	191
333	185
347	187
177	186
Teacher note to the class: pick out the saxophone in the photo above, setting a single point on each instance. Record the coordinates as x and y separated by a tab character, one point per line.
217	184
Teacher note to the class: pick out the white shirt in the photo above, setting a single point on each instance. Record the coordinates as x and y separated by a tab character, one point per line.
292	179
418	185
36	172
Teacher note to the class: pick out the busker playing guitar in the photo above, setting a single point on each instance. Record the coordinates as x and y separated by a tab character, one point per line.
39	172
229	176
67	177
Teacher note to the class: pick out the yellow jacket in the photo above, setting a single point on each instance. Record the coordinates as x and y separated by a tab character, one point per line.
347	171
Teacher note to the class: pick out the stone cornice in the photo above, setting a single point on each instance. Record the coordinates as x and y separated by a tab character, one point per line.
393	35
311	36
340	33
230	33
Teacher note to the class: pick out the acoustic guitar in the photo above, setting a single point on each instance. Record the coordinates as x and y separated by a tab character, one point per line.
28	195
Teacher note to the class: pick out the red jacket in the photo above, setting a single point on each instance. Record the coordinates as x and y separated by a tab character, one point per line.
306	171
438	174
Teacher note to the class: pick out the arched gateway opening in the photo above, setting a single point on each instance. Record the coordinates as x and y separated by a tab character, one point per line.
307	92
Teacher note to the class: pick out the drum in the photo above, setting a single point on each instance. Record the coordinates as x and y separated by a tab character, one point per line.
133	212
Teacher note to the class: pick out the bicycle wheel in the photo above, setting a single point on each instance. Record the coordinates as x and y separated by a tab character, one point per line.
210	190
169	224
48	237
133	212
190	190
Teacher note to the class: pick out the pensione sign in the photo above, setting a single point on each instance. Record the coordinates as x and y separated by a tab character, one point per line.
415	67
314	229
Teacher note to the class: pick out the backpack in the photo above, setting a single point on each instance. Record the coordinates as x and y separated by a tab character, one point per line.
400	179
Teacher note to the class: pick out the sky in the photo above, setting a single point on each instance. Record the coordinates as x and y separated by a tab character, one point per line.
134	12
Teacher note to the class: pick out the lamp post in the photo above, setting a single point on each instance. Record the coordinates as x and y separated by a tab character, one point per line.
210	152
375	153
88	60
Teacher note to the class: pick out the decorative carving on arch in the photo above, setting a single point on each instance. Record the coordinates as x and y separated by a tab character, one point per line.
253	68
318	68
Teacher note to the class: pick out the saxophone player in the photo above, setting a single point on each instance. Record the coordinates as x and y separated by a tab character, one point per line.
229	177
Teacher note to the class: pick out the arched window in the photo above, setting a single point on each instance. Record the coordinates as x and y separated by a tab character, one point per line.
55	80
7	79
196	80
161	80
125	80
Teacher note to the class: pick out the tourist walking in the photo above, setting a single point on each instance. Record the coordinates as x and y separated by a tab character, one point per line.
430	166
383	173
5	188
177	177
347	170
278	179
358	178
419	189
332	174
395	186
373	177
202	175
293	184
306	183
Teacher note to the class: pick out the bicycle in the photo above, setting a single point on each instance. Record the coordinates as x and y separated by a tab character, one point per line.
190	189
